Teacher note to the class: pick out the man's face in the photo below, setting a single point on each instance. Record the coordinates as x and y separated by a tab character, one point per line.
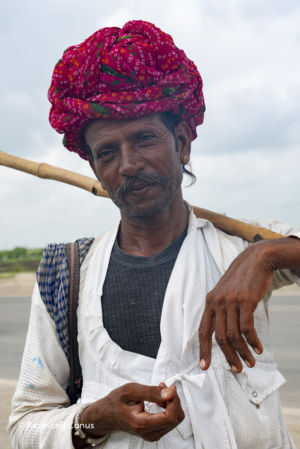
137	163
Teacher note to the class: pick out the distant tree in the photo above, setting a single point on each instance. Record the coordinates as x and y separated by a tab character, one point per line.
35	253
18	253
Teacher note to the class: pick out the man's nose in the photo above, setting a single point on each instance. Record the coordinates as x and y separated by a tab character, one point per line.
131	161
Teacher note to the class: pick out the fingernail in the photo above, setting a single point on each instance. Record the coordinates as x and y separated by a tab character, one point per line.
249	364
234	368
164	393
202	363
258	351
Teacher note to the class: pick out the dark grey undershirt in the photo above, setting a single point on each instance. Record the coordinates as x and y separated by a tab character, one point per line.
133	294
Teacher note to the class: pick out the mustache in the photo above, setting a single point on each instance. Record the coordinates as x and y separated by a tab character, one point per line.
153	178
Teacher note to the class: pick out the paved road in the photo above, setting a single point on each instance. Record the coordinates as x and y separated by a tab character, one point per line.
285	324
285	319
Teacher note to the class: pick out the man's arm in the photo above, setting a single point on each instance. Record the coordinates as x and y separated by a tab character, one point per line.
231	304
41	416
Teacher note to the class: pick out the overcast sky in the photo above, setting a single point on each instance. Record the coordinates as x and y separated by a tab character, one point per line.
247	154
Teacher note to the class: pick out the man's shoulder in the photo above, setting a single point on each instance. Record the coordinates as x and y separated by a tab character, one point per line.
54	255
53	272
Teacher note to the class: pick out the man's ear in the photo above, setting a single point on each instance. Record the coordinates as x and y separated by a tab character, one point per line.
184	137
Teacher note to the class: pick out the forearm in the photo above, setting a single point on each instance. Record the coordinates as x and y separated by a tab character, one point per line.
283	253
287	273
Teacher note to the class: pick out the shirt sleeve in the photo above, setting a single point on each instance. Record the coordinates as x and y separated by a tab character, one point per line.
41	416
281	277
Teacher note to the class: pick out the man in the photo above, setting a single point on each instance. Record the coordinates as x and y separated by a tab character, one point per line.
128	100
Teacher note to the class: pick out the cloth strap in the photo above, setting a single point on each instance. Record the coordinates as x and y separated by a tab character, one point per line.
75	381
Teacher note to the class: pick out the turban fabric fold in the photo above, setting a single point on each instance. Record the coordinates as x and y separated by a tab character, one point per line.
123	73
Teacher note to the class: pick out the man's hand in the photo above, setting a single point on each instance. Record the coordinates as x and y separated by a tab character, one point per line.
123	409
230	307
231	304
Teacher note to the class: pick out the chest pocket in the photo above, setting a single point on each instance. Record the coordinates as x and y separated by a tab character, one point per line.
253	406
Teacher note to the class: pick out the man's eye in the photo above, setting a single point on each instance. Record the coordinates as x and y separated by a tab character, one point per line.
146	138
104	154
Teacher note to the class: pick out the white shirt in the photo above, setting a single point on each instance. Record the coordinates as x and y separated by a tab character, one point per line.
41	417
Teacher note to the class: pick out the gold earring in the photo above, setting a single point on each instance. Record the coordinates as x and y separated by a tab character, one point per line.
185	159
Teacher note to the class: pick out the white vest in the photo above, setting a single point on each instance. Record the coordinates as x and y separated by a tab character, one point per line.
222	410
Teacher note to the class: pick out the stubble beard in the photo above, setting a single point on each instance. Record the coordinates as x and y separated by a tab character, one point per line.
140	211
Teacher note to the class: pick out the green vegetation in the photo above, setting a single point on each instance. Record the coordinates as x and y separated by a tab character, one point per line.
20	259
7	275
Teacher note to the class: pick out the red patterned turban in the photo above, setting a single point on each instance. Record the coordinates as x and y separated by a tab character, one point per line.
123	74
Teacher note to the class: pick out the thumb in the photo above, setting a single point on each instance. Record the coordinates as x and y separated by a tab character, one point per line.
138	392
167	393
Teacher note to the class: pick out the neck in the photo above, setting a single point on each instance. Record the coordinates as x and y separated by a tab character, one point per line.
147	237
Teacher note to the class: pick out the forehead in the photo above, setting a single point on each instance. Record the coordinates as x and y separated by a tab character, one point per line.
102	129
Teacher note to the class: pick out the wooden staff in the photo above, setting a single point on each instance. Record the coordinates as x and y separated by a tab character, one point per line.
246	231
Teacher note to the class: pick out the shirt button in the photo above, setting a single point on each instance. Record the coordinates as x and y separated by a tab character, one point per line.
254	394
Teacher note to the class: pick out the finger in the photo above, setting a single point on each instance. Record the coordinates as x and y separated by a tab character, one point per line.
171	416
248	330
235	338
145	423
174	410
168	393
221	338
166	422
157	435
162	404
133	392
205	337
151	422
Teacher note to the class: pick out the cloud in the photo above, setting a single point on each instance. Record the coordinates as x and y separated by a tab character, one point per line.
236	11
37	211
250	118
251	185
269	9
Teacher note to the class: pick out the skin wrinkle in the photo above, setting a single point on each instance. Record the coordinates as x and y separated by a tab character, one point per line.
154	178
118	195
105	142
171	121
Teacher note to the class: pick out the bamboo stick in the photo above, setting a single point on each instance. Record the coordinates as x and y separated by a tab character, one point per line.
47	171
232	226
